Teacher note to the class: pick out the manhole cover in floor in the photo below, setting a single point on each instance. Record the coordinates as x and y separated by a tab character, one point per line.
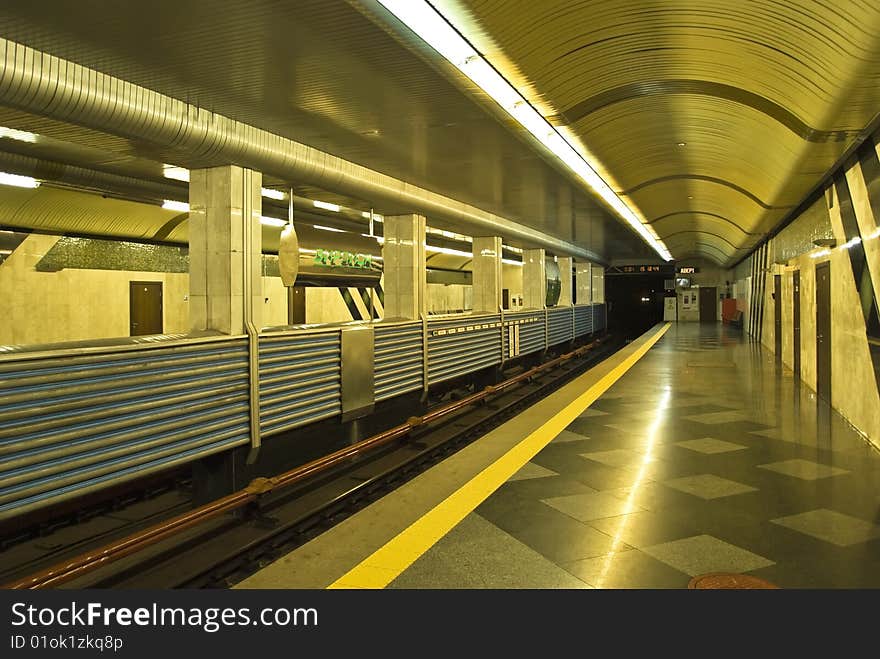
730	581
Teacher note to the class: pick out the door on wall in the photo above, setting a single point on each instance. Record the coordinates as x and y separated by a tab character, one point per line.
145	307
777	315
823	331
708	304
296	305
796	321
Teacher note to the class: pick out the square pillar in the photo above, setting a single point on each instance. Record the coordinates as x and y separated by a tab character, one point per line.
597	273
403	254
534	279
225	249
565	297
486	268
583	283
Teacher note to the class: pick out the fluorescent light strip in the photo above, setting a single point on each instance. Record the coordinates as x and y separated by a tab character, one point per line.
436	31
15	134
270	193
5	252
333	229
18	181
449	251
171	205
326	206
272	221
175	172
510	262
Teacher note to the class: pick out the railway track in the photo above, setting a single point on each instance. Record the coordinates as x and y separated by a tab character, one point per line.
249	533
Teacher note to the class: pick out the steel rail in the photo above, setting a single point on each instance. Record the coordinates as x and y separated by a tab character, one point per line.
90	561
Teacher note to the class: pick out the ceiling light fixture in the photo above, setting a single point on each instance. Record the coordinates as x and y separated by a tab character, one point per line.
175	172
682	144
270	193
272	221
18	181
436	31
326	206
449	251
171	205
15	134
323	228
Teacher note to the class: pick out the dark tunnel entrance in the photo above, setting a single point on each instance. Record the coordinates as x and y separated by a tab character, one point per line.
634	300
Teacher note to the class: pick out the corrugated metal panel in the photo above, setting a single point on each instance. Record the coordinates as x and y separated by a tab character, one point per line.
460	346
583	320
532	331
72	423
399	367
560	325
598	317
300	379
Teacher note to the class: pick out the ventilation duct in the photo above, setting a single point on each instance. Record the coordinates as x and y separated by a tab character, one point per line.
190	136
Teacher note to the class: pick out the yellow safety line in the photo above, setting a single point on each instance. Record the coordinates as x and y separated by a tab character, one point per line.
386	563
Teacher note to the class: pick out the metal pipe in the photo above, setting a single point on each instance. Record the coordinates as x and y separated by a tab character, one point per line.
88	562
184	134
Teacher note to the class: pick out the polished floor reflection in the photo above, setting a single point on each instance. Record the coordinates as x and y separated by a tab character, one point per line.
707	456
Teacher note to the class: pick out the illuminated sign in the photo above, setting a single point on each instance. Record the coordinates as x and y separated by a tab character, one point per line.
688	270
638	269
336	257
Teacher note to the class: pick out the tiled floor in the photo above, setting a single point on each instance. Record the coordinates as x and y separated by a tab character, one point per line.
704	457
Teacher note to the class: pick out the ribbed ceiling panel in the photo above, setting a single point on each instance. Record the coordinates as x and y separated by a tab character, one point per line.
766	95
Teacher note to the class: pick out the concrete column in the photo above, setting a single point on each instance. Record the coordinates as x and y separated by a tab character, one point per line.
597	273
564	263
403	254
583	283
486	269
225	249
534	279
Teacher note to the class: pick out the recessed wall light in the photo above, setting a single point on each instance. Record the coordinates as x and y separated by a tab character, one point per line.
682	144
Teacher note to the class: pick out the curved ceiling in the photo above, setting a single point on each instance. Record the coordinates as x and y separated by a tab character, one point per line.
319	72
713	118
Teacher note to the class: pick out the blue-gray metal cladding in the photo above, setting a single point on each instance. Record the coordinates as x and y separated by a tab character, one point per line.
460	346
398	359
531	331
598	317
72	424
300	379
583	320
561	326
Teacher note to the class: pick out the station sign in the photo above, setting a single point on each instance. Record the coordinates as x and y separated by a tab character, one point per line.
687	270
638	270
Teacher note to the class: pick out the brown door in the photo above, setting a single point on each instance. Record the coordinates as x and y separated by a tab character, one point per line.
145	307
296	305
823	331
796	320
708	305
777	315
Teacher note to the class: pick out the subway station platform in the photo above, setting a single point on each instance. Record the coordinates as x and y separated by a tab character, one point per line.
690	451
